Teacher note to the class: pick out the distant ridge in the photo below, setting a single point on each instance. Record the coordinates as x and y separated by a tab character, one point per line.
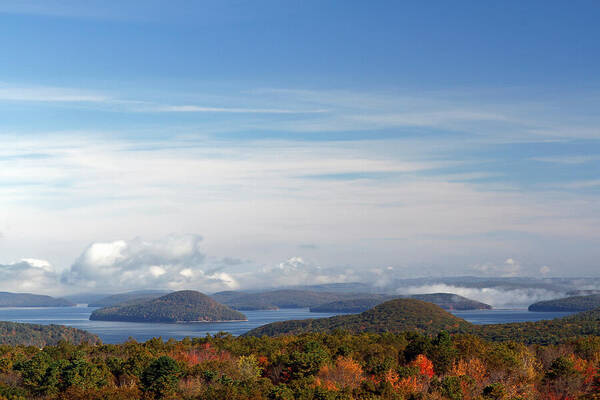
451	301
128	298
573	303
181	306
8	299
284	298
448	301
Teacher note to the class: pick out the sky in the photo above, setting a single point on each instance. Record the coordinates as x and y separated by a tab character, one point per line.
238	144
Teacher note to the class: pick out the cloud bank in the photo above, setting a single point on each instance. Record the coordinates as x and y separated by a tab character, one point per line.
494	296
28	275
175	262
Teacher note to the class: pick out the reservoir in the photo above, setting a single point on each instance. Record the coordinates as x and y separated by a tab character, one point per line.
118	332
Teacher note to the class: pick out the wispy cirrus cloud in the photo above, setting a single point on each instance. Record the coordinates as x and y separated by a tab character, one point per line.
233	110
51	94
568	159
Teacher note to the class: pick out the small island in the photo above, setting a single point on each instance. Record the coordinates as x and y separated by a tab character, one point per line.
176	307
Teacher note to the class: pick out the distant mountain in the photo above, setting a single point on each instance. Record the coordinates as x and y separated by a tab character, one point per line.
284	298
347	306
86	298
451	301
345	287
227	296
573	303
8	299
128	298
13	333
182	306
582	292
396	315
448	301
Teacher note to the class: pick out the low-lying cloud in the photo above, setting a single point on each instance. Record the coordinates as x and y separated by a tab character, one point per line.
178	262
497	297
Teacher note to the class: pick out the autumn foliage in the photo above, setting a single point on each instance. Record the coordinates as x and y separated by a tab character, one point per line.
345	373
338	366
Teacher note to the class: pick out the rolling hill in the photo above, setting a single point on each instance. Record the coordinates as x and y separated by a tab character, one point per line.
401	315
573	303
392	316
8	299
182	306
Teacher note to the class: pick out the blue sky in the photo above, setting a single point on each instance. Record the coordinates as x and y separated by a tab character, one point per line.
338	138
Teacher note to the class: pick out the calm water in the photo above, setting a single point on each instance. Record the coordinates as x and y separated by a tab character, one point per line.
499	316
117	332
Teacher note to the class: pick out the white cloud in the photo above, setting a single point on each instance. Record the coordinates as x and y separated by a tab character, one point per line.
260	200
29	276
232	110
174	262
43	264
567	159
50	94
496	297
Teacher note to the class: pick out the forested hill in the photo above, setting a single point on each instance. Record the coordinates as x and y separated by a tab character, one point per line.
413	315
573	303
127	298
182	306
284	298
543	332
346	306
448	301
8	299
392	316
13	333
451	301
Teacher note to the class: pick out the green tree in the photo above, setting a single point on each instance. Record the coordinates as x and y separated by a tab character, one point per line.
161	377
442	353
83	374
